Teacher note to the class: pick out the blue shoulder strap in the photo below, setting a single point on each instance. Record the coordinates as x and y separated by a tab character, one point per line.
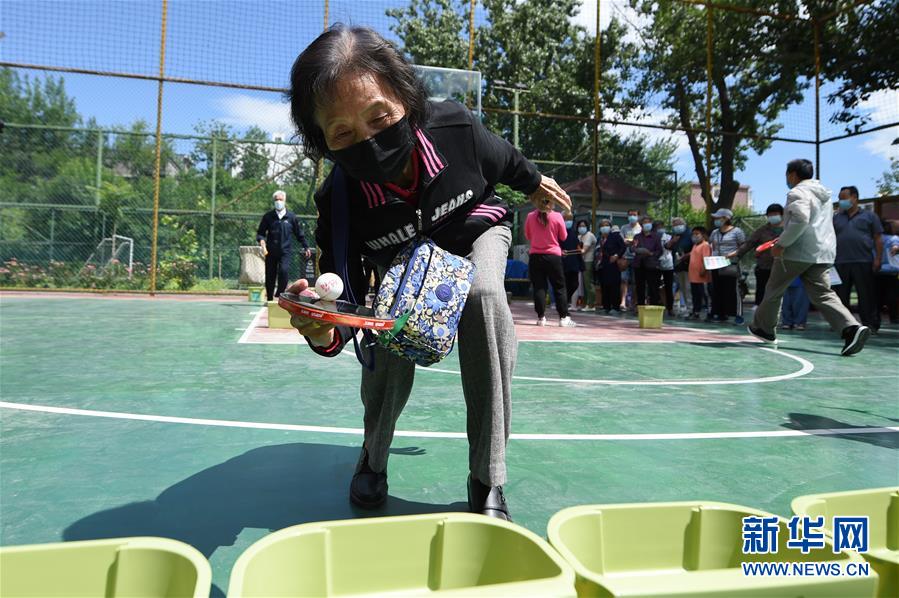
340	239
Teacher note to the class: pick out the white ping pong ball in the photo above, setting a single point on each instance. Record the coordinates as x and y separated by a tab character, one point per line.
329	286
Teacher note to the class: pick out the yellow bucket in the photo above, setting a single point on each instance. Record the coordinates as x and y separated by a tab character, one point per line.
650	316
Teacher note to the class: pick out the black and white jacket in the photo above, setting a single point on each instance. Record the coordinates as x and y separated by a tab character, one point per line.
461	163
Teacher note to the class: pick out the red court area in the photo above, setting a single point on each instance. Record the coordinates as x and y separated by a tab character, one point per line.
590	328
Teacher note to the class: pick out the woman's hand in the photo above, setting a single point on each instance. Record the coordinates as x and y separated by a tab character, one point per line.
550	192
319	333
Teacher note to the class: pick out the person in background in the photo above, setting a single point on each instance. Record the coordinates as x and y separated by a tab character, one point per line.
725	240
666	266
647	248
764	260
699	277
275	235
588	248
572	262
859	251
610	248
807	249
681	244
628	232
545	229
887	280
632	228
794	311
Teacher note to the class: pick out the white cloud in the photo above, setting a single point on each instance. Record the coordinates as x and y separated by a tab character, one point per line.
607	9
883	106
242	111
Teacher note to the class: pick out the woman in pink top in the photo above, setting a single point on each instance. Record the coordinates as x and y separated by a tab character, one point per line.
545	230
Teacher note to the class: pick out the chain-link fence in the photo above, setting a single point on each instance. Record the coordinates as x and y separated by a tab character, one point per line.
69	195
607	115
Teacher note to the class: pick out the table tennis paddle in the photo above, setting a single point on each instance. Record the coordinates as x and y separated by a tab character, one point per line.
765	246
341	313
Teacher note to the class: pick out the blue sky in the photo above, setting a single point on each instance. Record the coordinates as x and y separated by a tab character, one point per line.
255	42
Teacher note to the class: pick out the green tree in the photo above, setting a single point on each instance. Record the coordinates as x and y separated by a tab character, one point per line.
888	184
254	158
536	45
761	68
859	54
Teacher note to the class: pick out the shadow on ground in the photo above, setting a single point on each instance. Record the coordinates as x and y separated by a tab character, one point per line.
271	487
804	421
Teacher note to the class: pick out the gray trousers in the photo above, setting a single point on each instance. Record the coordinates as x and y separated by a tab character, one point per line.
487	352
817	285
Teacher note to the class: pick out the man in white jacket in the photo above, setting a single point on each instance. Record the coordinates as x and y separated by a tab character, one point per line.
806	249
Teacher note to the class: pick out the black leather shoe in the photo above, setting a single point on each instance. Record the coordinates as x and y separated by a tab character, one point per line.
368	488
487	500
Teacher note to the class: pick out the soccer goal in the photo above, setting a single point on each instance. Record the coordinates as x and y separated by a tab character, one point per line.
114	249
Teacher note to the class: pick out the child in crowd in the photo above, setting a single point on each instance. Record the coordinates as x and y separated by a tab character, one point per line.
794	311
699	276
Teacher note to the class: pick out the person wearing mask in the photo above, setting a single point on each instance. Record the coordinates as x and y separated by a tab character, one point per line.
545	230
409	164
794	312
725	240
666	266
610	248
859	253
698	275
887	281
764	260
681	244
647	248
588	248
572	261
628	232
277	230
806	249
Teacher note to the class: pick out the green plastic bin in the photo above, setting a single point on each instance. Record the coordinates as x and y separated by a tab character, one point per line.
142	566
454	554
683	549
881	506
255	294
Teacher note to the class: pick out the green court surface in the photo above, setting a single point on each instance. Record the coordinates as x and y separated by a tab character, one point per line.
124	417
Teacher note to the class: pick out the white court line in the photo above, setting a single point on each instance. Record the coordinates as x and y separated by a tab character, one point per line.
807	368
721	341
454	435
252	325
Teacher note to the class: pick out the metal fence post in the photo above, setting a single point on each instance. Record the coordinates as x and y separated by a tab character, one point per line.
154	247
597	114
52	232
212	206
98	179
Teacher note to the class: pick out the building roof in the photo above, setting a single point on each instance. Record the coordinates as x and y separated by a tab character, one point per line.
610	189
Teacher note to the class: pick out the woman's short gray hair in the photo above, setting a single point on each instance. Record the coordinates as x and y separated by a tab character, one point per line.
342	51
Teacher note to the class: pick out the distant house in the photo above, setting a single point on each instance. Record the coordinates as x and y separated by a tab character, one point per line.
181	164
743	197
615	197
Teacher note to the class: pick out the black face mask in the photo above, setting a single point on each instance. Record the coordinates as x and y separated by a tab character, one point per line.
379	159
